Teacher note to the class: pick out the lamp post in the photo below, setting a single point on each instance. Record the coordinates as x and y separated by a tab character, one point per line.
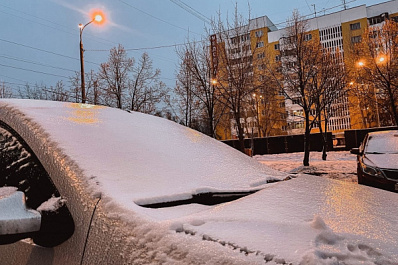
97	18
380	60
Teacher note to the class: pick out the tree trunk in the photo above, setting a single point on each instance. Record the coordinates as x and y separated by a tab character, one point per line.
324	140
393	105
306	160
240	135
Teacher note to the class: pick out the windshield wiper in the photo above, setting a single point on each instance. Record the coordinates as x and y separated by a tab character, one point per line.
211	198
374	153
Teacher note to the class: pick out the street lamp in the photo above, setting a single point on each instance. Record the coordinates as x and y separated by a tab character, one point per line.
381	59
98	18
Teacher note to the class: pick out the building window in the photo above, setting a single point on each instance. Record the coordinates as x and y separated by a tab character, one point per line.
245	37
259	33
296	101
260	44
276	46
377	19
308	37
355	26
278	58
260	55
356	39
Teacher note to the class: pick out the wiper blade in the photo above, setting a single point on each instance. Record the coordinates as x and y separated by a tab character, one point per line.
209	199
374	153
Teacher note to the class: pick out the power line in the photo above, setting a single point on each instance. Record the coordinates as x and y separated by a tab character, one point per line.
14	78
154	17
41	50
144	48
34	71
148	48
323	10
36	63
191	11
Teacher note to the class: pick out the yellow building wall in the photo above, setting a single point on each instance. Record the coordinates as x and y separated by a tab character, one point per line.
349	50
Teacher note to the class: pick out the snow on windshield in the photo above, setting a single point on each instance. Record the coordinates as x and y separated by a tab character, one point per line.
133	157
382	143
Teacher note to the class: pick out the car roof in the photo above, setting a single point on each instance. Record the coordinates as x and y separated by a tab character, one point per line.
384	133
140	158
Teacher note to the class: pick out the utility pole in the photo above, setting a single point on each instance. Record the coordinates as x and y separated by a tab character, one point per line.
314	9
344	5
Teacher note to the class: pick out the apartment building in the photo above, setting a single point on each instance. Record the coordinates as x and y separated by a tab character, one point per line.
337	31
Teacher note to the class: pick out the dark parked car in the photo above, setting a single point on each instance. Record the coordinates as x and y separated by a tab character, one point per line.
377	160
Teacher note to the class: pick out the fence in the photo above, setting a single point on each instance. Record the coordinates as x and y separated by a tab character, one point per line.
282	144
353	138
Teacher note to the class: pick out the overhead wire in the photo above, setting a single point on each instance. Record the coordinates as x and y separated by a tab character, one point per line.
313	13
34	71
45	51
157	18
192	11
36	63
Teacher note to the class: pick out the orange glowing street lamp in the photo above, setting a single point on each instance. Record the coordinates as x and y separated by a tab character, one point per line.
381	59
361	64
98	18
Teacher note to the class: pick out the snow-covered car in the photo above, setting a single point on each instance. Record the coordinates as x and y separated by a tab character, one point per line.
84	184
377	160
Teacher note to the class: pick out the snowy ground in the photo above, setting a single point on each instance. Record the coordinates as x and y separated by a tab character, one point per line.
339	165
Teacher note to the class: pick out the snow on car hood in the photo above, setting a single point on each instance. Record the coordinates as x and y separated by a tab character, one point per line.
383	160
134	157
306	220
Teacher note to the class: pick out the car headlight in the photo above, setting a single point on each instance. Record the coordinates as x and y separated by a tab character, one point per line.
373	171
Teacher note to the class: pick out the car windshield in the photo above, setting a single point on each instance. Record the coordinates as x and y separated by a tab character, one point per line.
381	144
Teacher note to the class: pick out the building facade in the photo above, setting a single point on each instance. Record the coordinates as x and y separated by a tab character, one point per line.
339	32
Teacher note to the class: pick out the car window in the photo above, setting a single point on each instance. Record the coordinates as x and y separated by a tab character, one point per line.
382	144
19	167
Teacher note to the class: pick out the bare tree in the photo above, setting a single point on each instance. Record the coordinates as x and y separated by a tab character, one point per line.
301	55
197	88
5	91
330	89
114	75
377	64
57	93
235	82
75	87
35	92
145	88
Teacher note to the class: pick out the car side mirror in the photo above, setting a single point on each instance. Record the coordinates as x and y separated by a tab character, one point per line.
16	222
355	151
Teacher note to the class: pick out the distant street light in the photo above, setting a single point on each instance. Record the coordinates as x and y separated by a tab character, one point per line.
98	18
381	59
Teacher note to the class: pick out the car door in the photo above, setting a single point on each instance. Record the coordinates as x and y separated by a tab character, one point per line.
63	230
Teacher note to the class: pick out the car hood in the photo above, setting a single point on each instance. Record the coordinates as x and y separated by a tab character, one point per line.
300	221
134	158
382	160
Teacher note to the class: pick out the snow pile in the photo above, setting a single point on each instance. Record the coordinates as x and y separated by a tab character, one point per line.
7	191
306	220
339	165
51	205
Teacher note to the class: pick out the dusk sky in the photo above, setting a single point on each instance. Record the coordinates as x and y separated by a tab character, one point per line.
39	40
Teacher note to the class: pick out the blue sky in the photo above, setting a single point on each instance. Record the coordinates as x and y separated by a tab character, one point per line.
39	40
